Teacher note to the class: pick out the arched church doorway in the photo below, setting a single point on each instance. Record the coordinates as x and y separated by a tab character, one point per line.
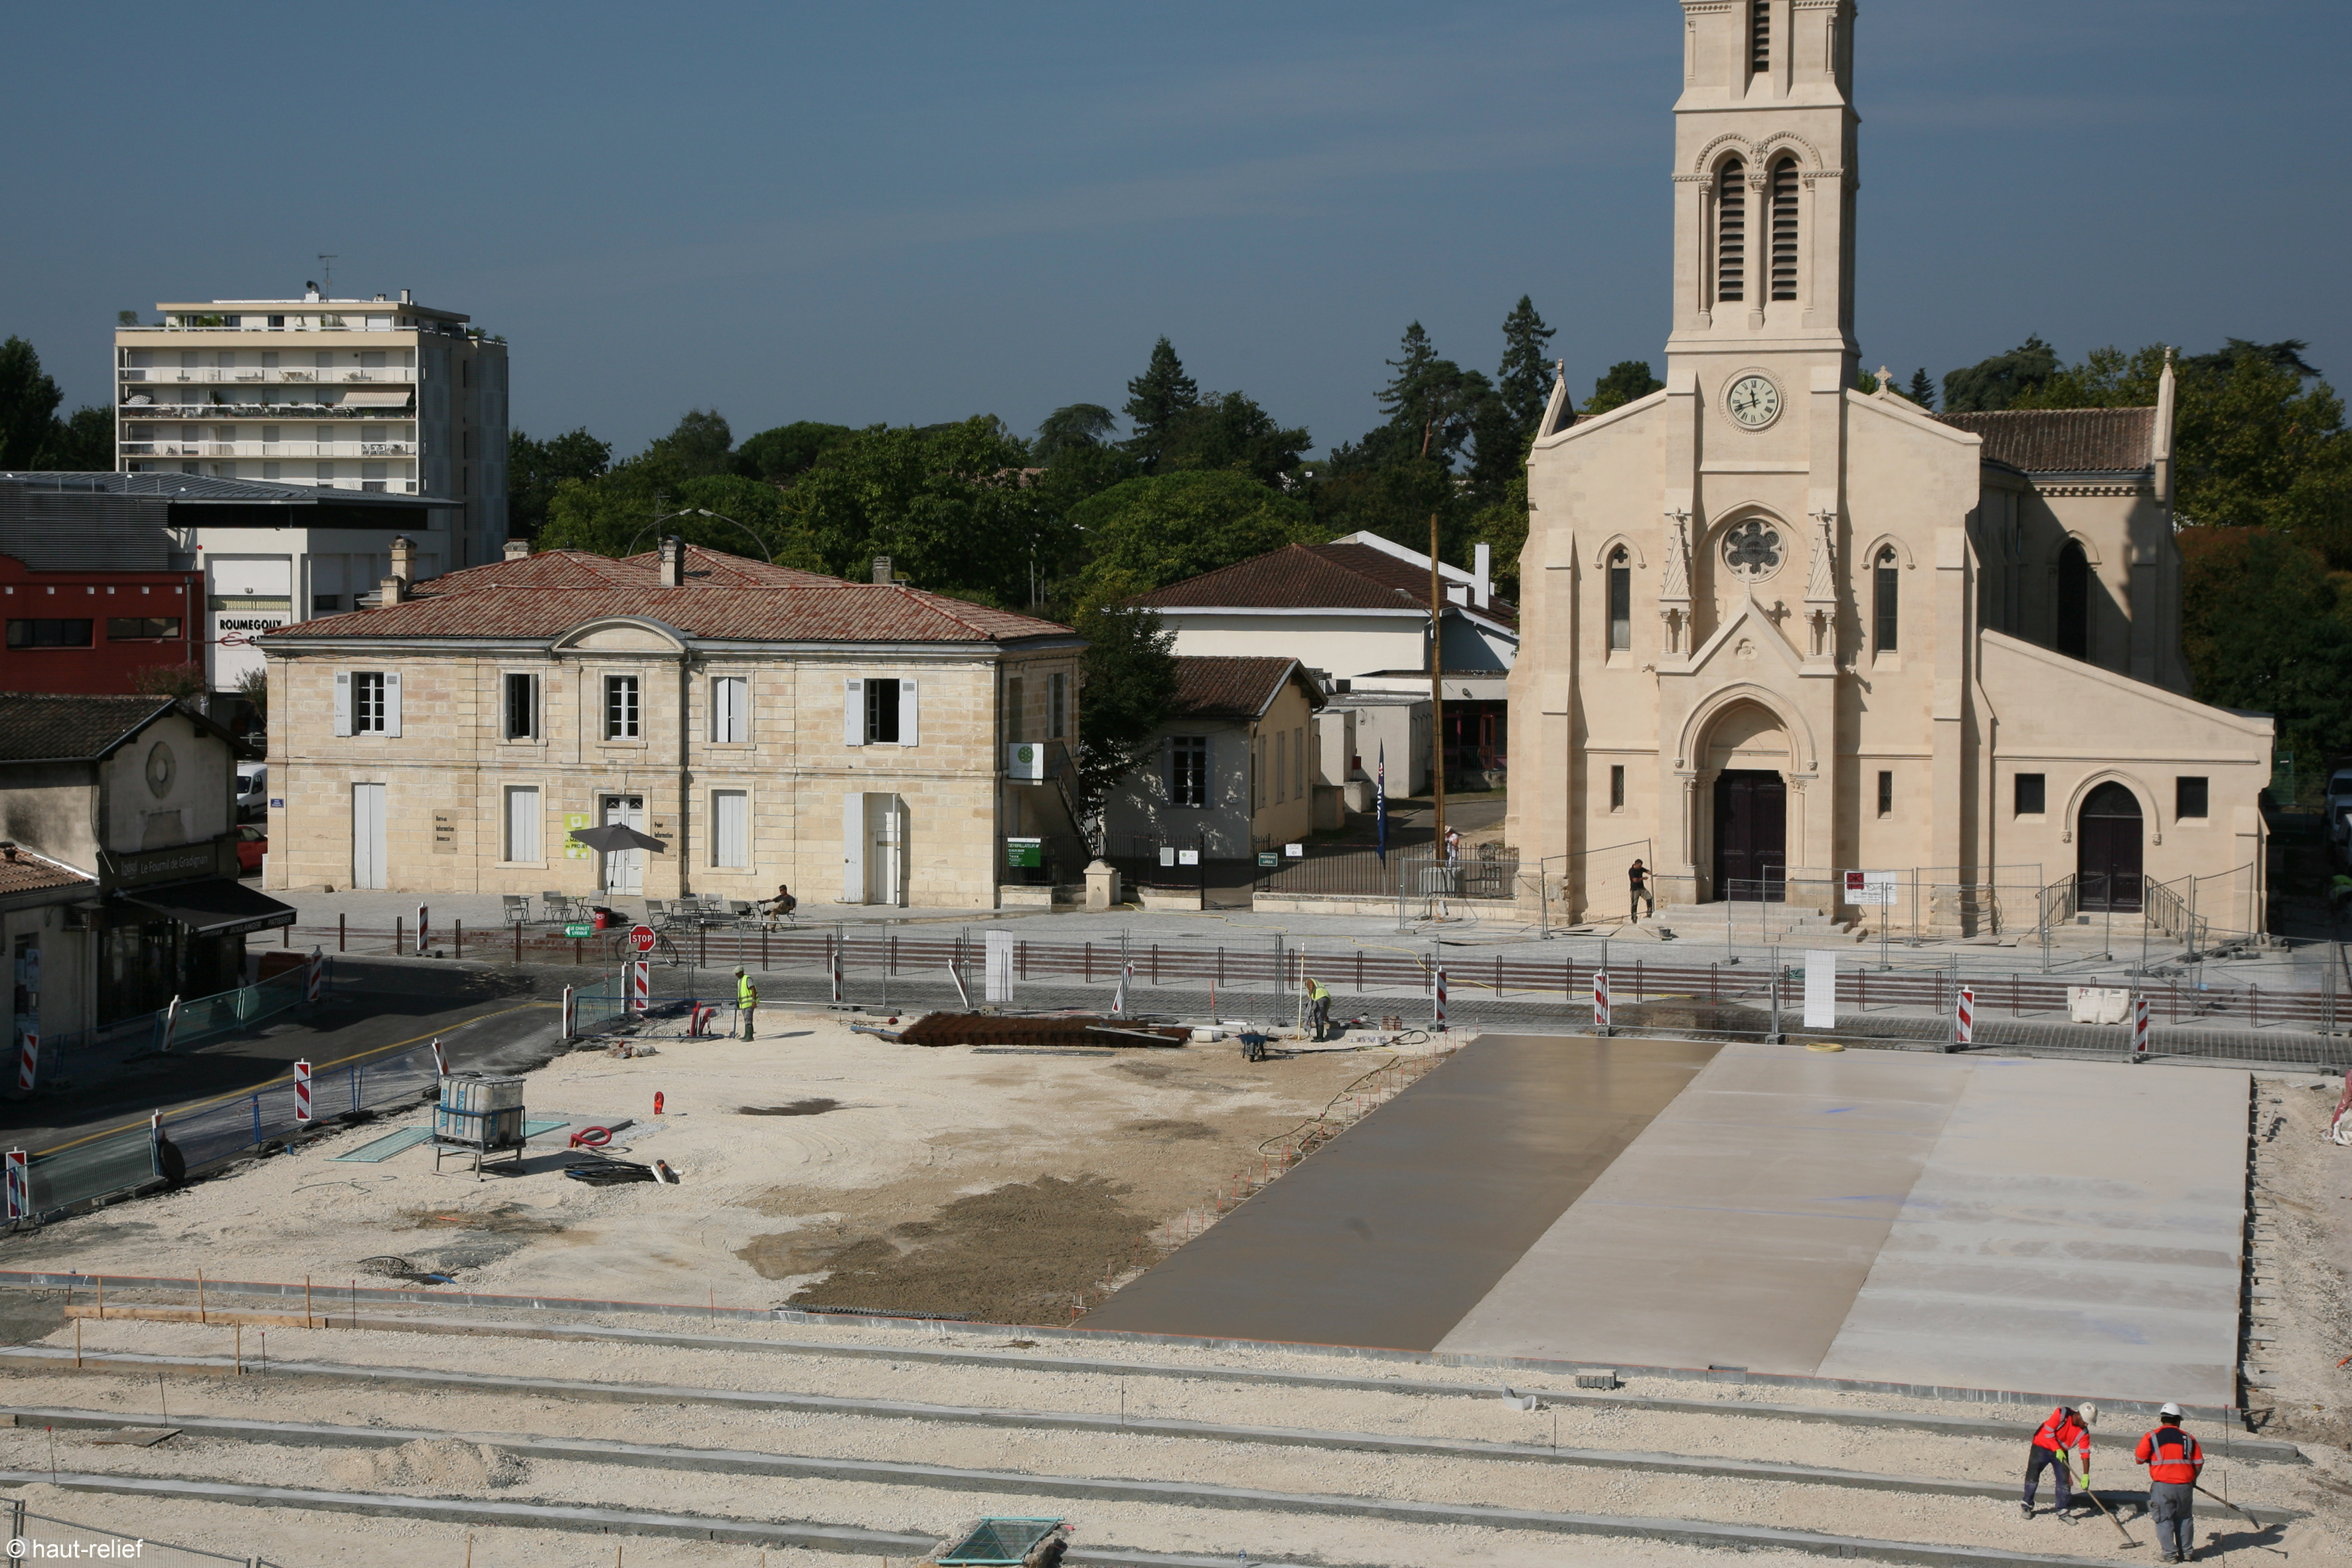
1747	751
2107	850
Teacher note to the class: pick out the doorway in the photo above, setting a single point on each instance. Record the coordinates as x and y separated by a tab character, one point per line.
1751	836
367	836
2107	850
625	870
886	832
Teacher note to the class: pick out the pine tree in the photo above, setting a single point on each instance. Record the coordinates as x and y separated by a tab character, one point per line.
1156	400
1524	378
1402	399
1922	391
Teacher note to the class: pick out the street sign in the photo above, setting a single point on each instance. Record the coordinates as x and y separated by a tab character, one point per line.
1188	857
1269	857
1021	854
1871	887
642	938
1295	851
580	928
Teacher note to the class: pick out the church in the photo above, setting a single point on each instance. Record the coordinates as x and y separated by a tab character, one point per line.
1775	630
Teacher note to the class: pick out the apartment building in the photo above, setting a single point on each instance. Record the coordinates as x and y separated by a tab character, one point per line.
378	395
763	724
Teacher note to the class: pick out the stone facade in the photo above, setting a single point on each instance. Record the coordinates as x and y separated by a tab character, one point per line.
750	786
1775	629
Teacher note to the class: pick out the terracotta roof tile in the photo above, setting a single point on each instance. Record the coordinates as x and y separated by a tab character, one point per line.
2064	440
26	873
49	727
1216	687
1312	577
725	598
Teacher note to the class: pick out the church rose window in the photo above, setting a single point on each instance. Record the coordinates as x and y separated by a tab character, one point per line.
1752	550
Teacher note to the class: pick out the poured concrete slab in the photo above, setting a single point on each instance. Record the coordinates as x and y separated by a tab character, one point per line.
2079	1228
1389	1233
1738	1228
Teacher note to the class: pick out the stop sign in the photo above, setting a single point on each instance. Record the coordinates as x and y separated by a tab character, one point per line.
642	938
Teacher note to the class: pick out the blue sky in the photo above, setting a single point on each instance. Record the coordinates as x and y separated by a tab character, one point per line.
915	212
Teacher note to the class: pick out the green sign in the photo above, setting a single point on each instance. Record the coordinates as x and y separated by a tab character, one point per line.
1269	857
1021	854
581	928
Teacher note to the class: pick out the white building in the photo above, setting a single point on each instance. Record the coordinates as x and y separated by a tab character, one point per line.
360	394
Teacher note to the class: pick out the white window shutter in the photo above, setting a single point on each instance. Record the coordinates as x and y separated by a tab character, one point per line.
853	712
342	702
853	846
391	702
910	733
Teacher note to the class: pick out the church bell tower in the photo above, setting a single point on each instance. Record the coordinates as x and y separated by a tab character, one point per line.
1764	187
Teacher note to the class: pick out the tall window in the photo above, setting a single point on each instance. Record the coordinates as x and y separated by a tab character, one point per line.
1281	767
1885	794
1760	35
1298	763
731	829
1731	231
522	825
1784	230
1058	709
2073	601
1620	601
1886	611
881	712
730	707
1188	769
1616	786
621	717
521	715
367	702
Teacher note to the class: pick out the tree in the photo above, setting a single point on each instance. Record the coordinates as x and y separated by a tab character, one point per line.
181	682
83	443
535	468
28	404
1154	399
2266	630
1922	391
1079	426
1998	383
784	454
1627	381
1524	378
616	513
1160	528
701	444
254	687
1229	431
1127	683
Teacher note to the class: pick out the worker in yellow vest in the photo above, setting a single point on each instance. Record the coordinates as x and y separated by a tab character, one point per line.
747	1002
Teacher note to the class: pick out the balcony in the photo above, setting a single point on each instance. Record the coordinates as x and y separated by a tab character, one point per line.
349	450
172	412
330	373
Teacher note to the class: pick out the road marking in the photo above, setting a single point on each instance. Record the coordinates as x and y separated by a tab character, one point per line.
288	1077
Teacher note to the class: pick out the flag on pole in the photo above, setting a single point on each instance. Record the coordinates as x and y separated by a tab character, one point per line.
1380	805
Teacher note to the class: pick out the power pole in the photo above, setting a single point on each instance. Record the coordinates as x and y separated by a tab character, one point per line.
1436	694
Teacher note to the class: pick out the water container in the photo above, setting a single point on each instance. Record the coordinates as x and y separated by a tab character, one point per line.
480	1113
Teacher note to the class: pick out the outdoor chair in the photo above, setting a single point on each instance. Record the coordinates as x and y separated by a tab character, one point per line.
518	908
555	907
658	914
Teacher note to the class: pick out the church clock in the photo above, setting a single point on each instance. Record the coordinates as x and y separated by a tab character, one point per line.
1754	401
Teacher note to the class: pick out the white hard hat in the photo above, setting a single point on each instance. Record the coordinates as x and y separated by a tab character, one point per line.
2169	1409
2089	1413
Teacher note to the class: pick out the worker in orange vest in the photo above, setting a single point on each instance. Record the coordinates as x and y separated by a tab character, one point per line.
2174	1462
2068	1427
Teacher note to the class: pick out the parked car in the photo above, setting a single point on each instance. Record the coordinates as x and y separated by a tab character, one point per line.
252	844
252	791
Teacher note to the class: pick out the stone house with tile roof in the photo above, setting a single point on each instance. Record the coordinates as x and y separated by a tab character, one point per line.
1776	630
1234	770
768	725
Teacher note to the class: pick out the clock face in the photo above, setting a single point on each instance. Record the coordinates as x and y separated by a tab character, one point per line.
1754	402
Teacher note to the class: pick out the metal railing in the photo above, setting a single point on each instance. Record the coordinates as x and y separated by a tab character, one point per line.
272	374
1481	872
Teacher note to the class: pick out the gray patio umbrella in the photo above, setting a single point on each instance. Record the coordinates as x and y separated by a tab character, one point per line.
615	836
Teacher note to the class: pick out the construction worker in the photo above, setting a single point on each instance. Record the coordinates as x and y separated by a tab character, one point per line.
1319	1007
1639	875
2067	1427
2174	1462
747	1002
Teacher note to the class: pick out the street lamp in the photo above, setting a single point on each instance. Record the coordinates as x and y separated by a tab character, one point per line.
750	532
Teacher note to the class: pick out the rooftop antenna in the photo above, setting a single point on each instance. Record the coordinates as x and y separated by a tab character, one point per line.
329	262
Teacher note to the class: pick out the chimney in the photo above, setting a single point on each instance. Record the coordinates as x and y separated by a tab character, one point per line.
518	549
406	298
403	558
9	848
382	300
881	568
1482	569
673	563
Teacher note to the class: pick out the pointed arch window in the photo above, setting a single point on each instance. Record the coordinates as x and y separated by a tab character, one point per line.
1784	229
1731	231
2074	626
1885	603
1620	601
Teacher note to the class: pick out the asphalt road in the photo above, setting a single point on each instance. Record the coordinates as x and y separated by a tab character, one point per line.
497	1019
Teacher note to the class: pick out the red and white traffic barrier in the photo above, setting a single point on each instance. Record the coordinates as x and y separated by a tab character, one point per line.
314	977
2139	1027
302	1094
422	912
171	1023
28	1061
1964	1017
440	1059
20	1185
1601	1000
836	969
570	1016
641	985
1441	996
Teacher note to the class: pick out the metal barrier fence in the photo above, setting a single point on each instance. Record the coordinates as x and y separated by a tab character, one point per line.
198	1019
1480	871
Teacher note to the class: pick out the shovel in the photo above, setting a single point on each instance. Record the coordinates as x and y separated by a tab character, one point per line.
2233	1508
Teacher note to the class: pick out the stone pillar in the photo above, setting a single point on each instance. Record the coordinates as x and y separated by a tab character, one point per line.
1102	885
